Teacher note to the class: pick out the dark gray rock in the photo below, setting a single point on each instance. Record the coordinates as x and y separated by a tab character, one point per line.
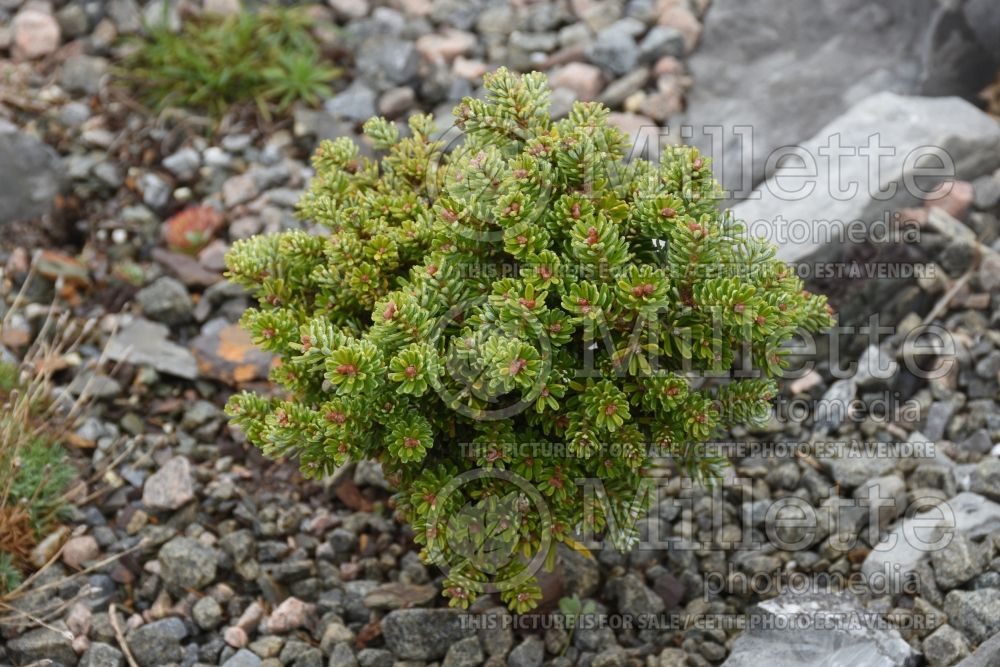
876	367
72	20
615	656
529	653
467	652
956	61
74	114
833	408
243	658
342	656
101	655
614	51
945	646
166	300
355	103
31	175
854	469
187	563
375	657
43	643
633	597
422	634
987	191
183	164
83	74
672	657
158	643
207	613
958	562
581	575
387	62
615	94
802	629
975	613
108	173
661	41
497	635
985	478
156	191
978	442
125	14
938	416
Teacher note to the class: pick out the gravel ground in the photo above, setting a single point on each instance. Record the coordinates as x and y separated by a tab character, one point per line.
191	549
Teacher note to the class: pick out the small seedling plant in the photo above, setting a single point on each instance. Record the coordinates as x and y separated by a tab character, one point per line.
498	318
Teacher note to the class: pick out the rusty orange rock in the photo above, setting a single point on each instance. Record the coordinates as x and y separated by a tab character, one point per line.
192	229
227	354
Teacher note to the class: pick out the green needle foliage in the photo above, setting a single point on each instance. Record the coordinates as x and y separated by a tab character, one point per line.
269	58
496	322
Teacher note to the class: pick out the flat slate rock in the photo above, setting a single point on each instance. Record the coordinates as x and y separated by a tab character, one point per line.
146	343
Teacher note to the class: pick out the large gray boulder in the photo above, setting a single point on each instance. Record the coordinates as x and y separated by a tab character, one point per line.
31	175
806	205
828	629
788	68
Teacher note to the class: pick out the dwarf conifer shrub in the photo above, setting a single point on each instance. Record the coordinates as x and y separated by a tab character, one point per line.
497	319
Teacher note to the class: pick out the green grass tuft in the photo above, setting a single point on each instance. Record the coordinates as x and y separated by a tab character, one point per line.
41	480
34	474
10	575
269	58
